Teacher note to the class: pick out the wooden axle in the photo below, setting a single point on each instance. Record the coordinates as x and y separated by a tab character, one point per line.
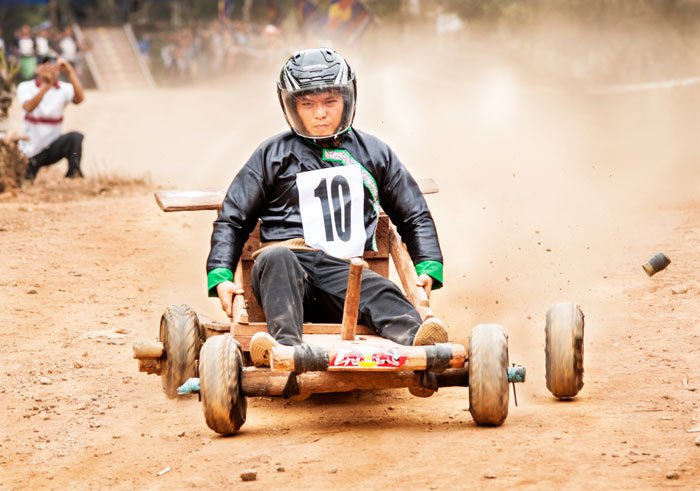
367	358
148	349
264	383
148	353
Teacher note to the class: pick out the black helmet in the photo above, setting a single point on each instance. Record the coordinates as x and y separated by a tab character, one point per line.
313	71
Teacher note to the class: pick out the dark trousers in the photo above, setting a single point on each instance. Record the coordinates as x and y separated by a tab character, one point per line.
68	146
304	286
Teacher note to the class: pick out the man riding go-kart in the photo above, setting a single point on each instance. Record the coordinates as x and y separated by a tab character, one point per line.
317	192
300	257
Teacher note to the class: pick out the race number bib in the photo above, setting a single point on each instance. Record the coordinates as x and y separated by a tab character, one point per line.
332	212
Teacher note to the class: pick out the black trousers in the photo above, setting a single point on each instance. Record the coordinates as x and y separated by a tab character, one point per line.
68	146
304	286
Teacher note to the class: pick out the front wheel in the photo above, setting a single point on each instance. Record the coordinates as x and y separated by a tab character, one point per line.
220	364
564	350
488	375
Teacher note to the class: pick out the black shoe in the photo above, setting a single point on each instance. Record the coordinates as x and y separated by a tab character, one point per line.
75	174
30	174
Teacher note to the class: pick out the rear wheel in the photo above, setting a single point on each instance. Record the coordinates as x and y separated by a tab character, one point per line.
488	375
564	350
179	333
220	365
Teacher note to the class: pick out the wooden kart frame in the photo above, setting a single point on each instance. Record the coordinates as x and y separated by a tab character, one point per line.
345	356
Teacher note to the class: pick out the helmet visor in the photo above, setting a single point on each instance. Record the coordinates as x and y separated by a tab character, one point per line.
323	111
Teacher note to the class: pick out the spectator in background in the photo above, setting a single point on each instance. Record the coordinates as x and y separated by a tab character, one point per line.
274	13
44	101
217	48
2	44
339	13
24	50
68	46
145	48
69	49
42	46
167	56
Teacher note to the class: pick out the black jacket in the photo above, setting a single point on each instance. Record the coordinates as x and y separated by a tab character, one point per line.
265	189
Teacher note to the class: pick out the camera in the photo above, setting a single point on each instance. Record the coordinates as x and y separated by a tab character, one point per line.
40	60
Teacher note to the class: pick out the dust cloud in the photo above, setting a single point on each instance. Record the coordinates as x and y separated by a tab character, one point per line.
542	179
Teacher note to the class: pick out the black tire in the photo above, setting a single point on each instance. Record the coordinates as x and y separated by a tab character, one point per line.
224	404
179	333
488	375
564	350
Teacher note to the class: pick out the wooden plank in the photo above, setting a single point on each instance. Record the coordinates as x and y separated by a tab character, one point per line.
256	382
255	311
309	328
259	383
215	325
407	274
427	186
240	313
334	340
351	307
363	357
189	200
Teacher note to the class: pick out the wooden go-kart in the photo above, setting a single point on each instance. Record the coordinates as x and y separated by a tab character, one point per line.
212	358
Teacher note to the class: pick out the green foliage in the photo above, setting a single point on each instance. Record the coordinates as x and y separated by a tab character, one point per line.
8	72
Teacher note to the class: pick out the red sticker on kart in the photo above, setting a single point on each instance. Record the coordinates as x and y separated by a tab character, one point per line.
368	358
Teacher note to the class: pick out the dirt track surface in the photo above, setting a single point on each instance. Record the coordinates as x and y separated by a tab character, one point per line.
561	199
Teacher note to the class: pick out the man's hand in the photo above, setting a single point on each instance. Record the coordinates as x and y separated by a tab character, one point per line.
226	290
426	281
63	65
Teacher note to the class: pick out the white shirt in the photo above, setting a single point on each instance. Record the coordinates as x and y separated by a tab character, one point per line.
42	46
69	50
26	46
44	124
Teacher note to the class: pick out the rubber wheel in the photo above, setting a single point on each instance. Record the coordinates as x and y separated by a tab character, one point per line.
179	333
220	366
564	350
488	375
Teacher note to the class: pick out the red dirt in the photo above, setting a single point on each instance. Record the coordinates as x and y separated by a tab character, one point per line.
563	199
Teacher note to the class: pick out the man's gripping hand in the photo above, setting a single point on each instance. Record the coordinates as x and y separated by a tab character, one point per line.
226	290
426	281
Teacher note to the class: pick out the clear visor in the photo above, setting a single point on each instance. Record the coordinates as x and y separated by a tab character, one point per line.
322	112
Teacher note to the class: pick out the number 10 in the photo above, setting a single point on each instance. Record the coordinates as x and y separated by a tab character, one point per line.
341	208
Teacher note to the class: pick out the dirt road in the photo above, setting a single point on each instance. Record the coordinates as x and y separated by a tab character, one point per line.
549	197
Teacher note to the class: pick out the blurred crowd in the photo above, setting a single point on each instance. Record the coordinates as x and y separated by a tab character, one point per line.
203	50
220	46
244	32
29	44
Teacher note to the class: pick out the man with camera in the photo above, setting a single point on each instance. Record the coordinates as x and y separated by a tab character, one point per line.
44	99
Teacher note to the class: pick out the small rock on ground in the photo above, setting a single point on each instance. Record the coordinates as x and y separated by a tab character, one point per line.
249	476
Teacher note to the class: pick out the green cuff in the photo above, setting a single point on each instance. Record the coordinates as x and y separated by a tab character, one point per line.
216	276
432	269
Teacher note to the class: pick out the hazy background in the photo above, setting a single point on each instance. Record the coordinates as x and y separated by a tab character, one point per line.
550	155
